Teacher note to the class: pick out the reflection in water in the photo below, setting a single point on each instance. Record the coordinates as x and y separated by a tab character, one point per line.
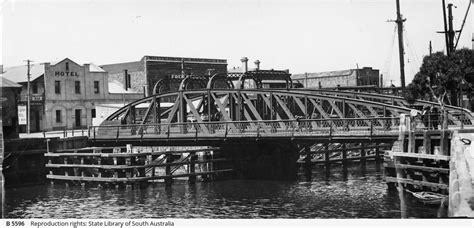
335	192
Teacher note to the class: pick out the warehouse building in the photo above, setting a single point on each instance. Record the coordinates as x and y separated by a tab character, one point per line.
344	78
142	75
9	92
64	94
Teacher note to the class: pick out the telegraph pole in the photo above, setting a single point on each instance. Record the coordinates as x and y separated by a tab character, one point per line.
28	97
451	29
448	53
431	49
399	22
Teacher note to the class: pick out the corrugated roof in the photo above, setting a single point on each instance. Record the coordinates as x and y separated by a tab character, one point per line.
18	73
239	69
7	83
323	74
95	68
117	87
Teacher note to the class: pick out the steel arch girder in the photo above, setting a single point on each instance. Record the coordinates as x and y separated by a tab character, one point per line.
314	99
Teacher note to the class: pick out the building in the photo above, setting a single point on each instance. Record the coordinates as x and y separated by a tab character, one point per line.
64	94
9	98
274	79
142	75
344	78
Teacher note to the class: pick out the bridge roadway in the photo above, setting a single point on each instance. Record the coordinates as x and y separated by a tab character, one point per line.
215	133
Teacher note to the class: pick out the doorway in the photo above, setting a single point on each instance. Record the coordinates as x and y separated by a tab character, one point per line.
78	118
36	118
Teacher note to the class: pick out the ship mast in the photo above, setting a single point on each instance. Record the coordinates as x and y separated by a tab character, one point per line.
399	22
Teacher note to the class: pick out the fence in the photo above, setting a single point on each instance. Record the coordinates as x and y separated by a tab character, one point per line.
264	128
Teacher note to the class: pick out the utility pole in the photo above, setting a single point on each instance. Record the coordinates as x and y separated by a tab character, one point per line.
451	30
182	68
28	95
448	53
431	49
399	22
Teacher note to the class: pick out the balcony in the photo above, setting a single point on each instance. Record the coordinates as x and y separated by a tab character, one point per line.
35	99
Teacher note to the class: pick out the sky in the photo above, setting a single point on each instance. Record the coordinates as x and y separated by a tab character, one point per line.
299	35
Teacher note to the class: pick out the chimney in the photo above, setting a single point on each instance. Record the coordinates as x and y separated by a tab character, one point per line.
257	64
126	81
244	61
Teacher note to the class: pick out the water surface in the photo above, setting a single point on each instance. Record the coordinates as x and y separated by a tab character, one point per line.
355	192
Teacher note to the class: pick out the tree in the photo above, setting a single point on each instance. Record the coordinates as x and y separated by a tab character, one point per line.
441	75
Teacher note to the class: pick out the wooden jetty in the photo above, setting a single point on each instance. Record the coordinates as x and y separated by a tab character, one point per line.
129	165
329	153
461	185
419	160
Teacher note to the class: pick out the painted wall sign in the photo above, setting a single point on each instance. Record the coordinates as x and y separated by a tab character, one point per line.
66	74
22	114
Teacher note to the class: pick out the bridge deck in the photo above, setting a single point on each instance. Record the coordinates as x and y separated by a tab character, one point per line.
287	129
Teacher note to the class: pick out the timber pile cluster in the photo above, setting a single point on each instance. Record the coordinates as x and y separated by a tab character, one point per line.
129	165
419	160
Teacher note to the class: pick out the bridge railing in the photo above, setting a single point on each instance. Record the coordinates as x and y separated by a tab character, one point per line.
255	129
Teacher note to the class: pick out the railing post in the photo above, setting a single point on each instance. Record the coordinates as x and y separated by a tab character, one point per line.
226	129
118	132
330	128
89	131
196	129
292	129
168	131
258	129
94	134
371	127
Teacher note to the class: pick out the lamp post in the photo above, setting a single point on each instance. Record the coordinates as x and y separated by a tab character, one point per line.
461	101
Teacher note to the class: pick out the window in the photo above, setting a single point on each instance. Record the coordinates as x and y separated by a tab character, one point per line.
67	66
35	88
93	113
58	116
77	86
57	87
96	87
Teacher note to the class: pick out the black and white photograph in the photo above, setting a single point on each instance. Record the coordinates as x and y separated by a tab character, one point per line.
155	113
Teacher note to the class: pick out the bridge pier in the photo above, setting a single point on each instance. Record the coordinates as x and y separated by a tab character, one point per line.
267	160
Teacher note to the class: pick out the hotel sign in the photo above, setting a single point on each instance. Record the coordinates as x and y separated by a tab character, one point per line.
65	74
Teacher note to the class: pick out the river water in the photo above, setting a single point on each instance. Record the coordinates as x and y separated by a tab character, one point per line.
357	191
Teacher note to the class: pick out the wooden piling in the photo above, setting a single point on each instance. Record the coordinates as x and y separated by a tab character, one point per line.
192	167
326	154
344	153
168	161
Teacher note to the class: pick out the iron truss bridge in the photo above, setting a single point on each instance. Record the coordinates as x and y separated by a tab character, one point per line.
236	114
